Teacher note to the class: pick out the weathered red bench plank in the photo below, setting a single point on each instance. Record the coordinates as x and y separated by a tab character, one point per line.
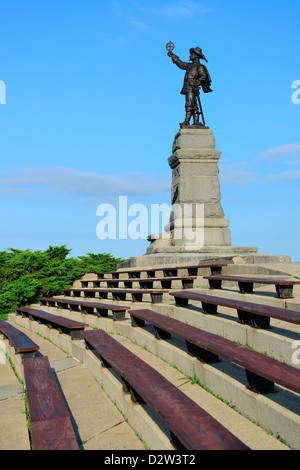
65	325
167	271
51	427
86	307
255	315
118	294
284	287
166	282
22	343
262	371
190	426
53	434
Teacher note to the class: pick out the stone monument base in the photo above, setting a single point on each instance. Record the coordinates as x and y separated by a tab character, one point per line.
192	258
197	231
162	243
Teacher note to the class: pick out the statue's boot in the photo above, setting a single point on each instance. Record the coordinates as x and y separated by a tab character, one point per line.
186	122
196	118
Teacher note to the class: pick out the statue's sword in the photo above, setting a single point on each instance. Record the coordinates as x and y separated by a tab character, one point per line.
200	107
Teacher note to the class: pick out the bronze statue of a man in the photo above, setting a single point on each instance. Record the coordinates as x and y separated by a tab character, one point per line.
196	76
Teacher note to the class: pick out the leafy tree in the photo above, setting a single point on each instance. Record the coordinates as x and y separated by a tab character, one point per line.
26	276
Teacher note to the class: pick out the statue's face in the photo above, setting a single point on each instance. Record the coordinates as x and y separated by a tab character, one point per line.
193	56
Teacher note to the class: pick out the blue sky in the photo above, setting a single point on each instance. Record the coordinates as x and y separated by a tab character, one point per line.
93	104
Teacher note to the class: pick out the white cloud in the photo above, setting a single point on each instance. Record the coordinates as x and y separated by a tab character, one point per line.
236	174
240	174
173	10
139	24
283	151
284	177
179	9
72	182
138	14
116	8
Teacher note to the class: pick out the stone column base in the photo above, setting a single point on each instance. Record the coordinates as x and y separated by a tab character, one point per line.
244	255
164	245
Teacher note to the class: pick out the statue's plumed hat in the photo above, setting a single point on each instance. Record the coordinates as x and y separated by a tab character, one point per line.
198	52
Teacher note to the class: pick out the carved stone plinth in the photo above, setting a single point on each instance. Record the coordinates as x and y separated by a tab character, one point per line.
197	222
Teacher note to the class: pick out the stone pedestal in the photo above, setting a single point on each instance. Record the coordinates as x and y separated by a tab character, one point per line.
196	187
197	222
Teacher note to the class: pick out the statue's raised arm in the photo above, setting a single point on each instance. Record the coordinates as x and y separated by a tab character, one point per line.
196	77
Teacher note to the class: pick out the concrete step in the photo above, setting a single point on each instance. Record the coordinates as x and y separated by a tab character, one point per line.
265	294
249	433
223	393
13	428
97	422
276	413
106	418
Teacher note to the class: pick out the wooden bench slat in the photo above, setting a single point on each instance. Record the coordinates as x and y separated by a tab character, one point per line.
44	397
96	305
51	427
54	319
129	291
191	425
284	287
256	280
138	280
254	308
118	294
146	279
21	342
252	361
166	282
87	307
65	325
53	434
165	269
